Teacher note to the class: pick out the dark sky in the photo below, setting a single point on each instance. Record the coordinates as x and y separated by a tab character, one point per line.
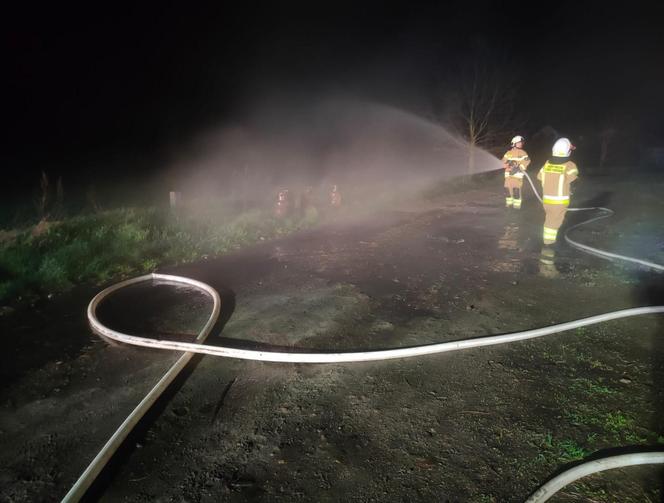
88	83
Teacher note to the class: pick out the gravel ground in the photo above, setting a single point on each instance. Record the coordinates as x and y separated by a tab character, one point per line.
483	425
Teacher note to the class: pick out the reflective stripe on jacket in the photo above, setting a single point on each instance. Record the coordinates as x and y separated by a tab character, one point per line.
556	179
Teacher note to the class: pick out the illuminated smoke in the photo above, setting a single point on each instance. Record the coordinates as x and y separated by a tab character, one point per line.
366	149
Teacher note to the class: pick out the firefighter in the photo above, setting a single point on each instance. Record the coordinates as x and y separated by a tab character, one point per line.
282	208
515	162
556	176
335	197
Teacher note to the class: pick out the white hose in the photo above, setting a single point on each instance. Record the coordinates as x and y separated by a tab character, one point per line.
598	465
602	253
86	479
350	356
589	249
541	495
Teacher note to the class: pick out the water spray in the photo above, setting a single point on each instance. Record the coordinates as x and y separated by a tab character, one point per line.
84	482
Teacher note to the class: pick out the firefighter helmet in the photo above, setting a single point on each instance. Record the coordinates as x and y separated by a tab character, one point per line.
517	139
562	148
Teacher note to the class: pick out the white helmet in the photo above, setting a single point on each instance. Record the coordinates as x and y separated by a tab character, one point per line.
562	148
517	139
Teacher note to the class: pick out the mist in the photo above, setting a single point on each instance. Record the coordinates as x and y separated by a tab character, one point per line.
370	151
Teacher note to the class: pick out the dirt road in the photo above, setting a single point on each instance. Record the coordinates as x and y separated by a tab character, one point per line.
485	425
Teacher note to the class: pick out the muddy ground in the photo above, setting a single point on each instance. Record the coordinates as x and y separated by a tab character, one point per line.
482	425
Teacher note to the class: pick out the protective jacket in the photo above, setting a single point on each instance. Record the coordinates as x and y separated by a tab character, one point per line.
517	161
520	157
556	176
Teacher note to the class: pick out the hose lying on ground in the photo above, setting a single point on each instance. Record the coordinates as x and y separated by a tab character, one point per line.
589	249
344	357
86	479
595	466
544	493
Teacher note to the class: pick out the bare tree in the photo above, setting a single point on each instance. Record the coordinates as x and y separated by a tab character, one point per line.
481	103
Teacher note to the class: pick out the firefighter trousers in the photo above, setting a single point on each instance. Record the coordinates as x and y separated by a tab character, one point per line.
554	216
513	187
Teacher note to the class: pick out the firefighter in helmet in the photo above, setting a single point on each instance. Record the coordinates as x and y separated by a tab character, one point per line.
556	176
335	197
515	162
282	208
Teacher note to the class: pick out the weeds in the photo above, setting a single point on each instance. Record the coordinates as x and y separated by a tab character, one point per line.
589	387
113	244
617	422
592	362
484	498
562	450
570	451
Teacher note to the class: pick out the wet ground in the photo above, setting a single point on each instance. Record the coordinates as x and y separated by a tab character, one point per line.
484	425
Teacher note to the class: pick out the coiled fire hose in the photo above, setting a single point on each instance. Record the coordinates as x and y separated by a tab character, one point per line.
84	482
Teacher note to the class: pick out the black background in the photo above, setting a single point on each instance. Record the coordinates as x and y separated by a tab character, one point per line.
87	84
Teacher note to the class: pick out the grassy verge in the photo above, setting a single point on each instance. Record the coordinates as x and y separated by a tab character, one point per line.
115	244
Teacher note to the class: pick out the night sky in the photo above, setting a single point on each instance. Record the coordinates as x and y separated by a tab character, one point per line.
89	84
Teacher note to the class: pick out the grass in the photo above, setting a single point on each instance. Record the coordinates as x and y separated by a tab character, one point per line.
563	450
568	450
617	422
115	244
612	422
484	498
589	387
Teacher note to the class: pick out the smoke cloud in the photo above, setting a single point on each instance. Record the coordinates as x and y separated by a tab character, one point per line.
366	149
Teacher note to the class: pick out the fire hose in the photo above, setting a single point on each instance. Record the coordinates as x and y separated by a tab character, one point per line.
84	482
589	249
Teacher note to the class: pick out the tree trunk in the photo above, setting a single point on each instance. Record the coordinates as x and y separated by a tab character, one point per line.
471	157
